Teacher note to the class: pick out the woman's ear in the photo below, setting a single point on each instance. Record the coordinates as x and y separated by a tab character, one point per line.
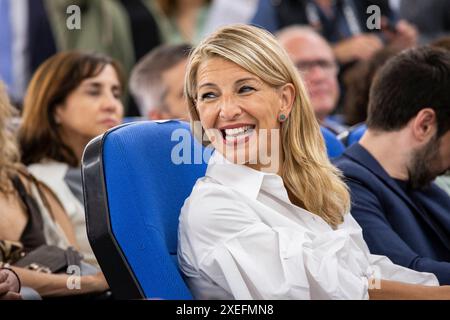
287	96
56	114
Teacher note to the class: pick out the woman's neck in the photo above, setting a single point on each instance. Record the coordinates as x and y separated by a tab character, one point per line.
76	144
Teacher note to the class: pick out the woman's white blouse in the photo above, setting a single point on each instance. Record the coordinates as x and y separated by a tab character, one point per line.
52	174
240	237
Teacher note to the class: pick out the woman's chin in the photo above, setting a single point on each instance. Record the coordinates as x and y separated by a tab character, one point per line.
244	155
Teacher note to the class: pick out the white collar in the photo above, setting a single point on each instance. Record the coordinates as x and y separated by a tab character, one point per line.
244	179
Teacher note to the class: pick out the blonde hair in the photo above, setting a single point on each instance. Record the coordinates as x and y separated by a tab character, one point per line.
313	183
9	157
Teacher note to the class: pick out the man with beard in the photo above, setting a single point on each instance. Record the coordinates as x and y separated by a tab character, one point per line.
403	214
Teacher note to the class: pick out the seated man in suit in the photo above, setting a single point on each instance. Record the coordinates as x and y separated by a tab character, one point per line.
406	146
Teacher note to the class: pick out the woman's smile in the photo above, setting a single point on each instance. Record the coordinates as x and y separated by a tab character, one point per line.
237	133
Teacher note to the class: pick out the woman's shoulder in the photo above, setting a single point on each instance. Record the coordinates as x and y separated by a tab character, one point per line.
25	177
49	171
208	194
207	187
53	176
30	181
48	167
212	206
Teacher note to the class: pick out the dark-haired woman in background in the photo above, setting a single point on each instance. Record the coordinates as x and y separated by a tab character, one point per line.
72	98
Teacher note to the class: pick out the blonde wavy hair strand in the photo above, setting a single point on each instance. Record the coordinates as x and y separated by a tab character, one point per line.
10	156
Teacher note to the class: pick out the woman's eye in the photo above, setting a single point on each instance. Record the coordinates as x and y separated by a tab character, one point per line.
207	95
117	94
93	93
246	89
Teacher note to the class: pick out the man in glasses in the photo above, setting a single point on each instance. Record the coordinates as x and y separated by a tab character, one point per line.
314	59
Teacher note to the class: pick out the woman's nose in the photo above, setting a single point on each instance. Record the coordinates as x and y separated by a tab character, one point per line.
229	109
112	104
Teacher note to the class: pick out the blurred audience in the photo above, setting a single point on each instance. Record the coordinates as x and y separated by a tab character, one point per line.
342	22
181	21
16	49
32	216
314	59
156	83
105	28
431	17
32	31
406	146
72	98
357	82
225	12
443	42
144	28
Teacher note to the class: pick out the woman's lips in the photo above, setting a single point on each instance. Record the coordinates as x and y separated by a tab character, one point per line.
110	122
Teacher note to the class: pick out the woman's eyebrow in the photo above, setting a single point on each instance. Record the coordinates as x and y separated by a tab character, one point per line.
92	84
98	84
246	79
208	84
237	82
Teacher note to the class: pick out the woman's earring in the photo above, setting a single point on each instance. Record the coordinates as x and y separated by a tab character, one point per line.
282	117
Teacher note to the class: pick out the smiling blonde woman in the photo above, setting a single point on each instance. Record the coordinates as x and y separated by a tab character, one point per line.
249	232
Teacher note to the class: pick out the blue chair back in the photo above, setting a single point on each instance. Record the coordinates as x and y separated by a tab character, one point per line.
334	147
356	133
135	186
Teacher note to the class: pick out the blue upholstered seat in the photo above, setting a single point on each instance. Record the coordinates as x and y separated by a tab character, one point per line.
334	147
133	195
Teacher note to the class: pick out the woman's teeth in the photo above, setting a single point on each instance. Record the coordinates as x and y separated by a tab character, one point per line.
232	134
237	131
